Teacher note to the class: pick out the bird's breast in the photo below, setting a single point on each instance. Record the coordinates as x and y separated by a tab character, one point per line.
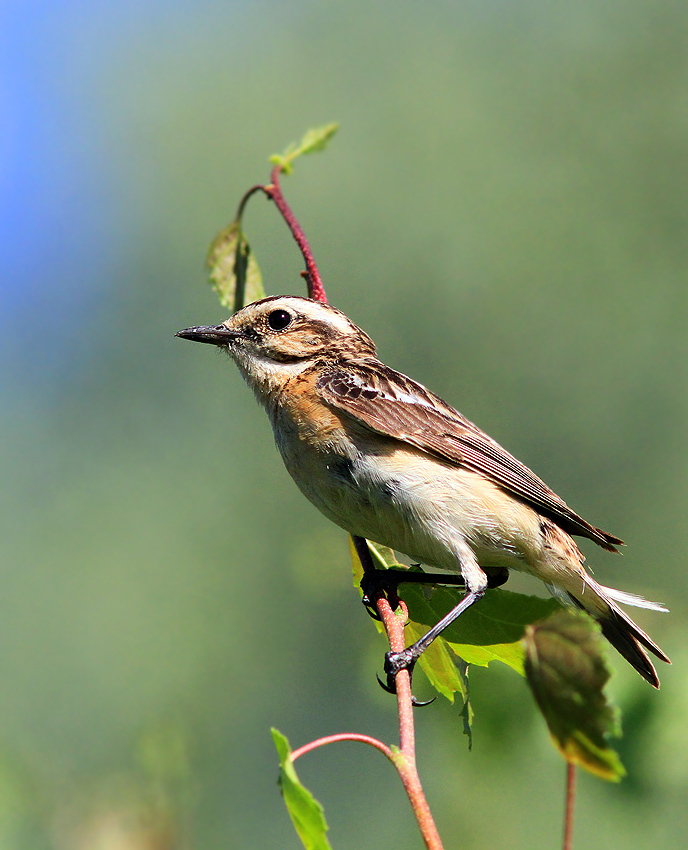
382	489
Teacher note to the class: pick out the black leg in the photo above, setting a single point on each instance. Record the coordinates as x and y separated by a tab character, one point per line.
388	580
374	580
405	660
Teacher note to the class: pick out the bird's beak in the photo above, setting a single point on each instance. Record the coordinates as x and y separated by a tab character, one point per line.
214	334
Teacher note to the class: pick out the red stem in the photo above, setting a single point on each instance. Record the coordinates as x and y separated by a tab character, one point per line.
343	736
316	289
570	804
405	759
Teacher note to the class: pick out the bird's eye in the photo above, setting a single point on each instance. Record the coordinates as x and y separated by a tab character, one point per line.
278	320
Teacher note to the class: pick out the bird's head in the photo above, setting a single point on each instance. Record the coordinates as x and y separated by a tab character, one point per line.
277	337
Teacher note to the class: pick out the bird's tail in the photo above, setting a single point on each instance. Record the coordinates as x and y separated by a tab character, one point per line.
623	634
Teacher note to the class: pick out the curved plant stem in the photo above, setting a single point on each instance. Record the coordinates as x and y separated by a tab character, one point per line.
343	736
248	194
570	804
316	289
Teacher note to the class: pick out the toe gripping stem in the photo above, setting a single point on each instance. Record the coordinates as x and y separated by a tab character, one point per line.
406	659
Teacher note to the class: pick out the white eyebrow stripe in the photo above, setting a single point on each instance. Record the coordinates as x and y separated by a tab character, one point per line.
320	313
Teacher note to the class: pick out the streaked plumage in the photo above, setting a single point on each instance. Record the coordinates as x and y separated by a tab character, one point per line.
386	459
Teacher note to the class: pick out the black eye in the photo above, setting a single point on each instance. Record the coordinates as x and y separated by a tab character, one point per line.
279	319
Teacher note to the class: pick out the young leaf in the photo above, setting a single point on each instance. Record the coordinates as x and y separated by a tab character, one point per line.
305	811
234	272
315	139
566	670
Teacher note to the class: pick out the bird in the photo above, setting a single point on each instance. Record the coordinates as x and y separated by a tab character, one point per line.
386	459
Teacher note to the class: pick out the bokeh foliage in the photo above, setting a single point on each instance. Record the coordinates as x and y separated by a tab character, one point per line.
504	211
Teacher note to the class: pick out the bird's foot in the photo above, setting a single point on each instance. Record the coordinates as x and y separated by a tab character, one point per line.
372	583
395	662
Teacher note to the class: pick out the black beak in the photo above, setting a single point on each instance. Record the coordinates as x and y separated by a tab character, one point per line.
214	334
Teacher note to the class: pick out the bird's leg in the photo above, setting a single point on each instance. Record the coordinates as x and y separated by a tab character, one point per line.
476	583
388	580
406	659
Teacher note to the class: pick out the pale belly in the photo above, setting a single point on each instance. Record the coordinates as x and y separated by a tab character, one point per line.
417	505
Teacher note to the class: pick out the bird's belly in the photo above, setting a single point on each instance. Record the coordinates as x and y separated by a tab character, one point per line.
415	504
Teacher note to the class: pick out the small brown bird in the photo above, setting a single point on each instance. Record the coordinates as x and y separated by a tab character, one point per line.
386	459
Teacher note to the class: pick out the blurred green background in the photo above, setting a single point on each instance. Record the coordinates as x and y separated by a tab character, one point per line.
504	210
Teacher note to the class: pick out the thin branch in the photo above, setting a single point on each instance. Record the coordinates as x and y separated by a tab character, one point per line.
344	736
405	759
316	289
570	805
252	191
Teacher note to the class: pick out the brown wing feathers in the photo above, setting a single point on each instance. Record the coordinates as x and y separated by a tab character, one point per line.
391	403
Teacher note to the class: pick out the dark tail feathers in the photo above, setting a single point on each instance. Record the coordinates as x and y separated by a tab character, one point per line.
623	634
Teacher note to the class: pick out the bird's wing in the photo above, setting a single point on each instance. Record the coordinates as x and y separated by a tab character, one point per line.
392	404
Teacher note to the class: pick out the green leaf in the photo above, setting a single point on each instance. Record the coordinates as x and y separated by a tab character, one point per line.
438	664
305	811
383	559
446	672
315	139
567	671
234	272
491	630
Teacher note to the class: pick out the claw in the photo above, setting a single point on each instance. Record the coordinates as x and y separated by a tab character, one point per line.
368	604
384	686
371	610
416	703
